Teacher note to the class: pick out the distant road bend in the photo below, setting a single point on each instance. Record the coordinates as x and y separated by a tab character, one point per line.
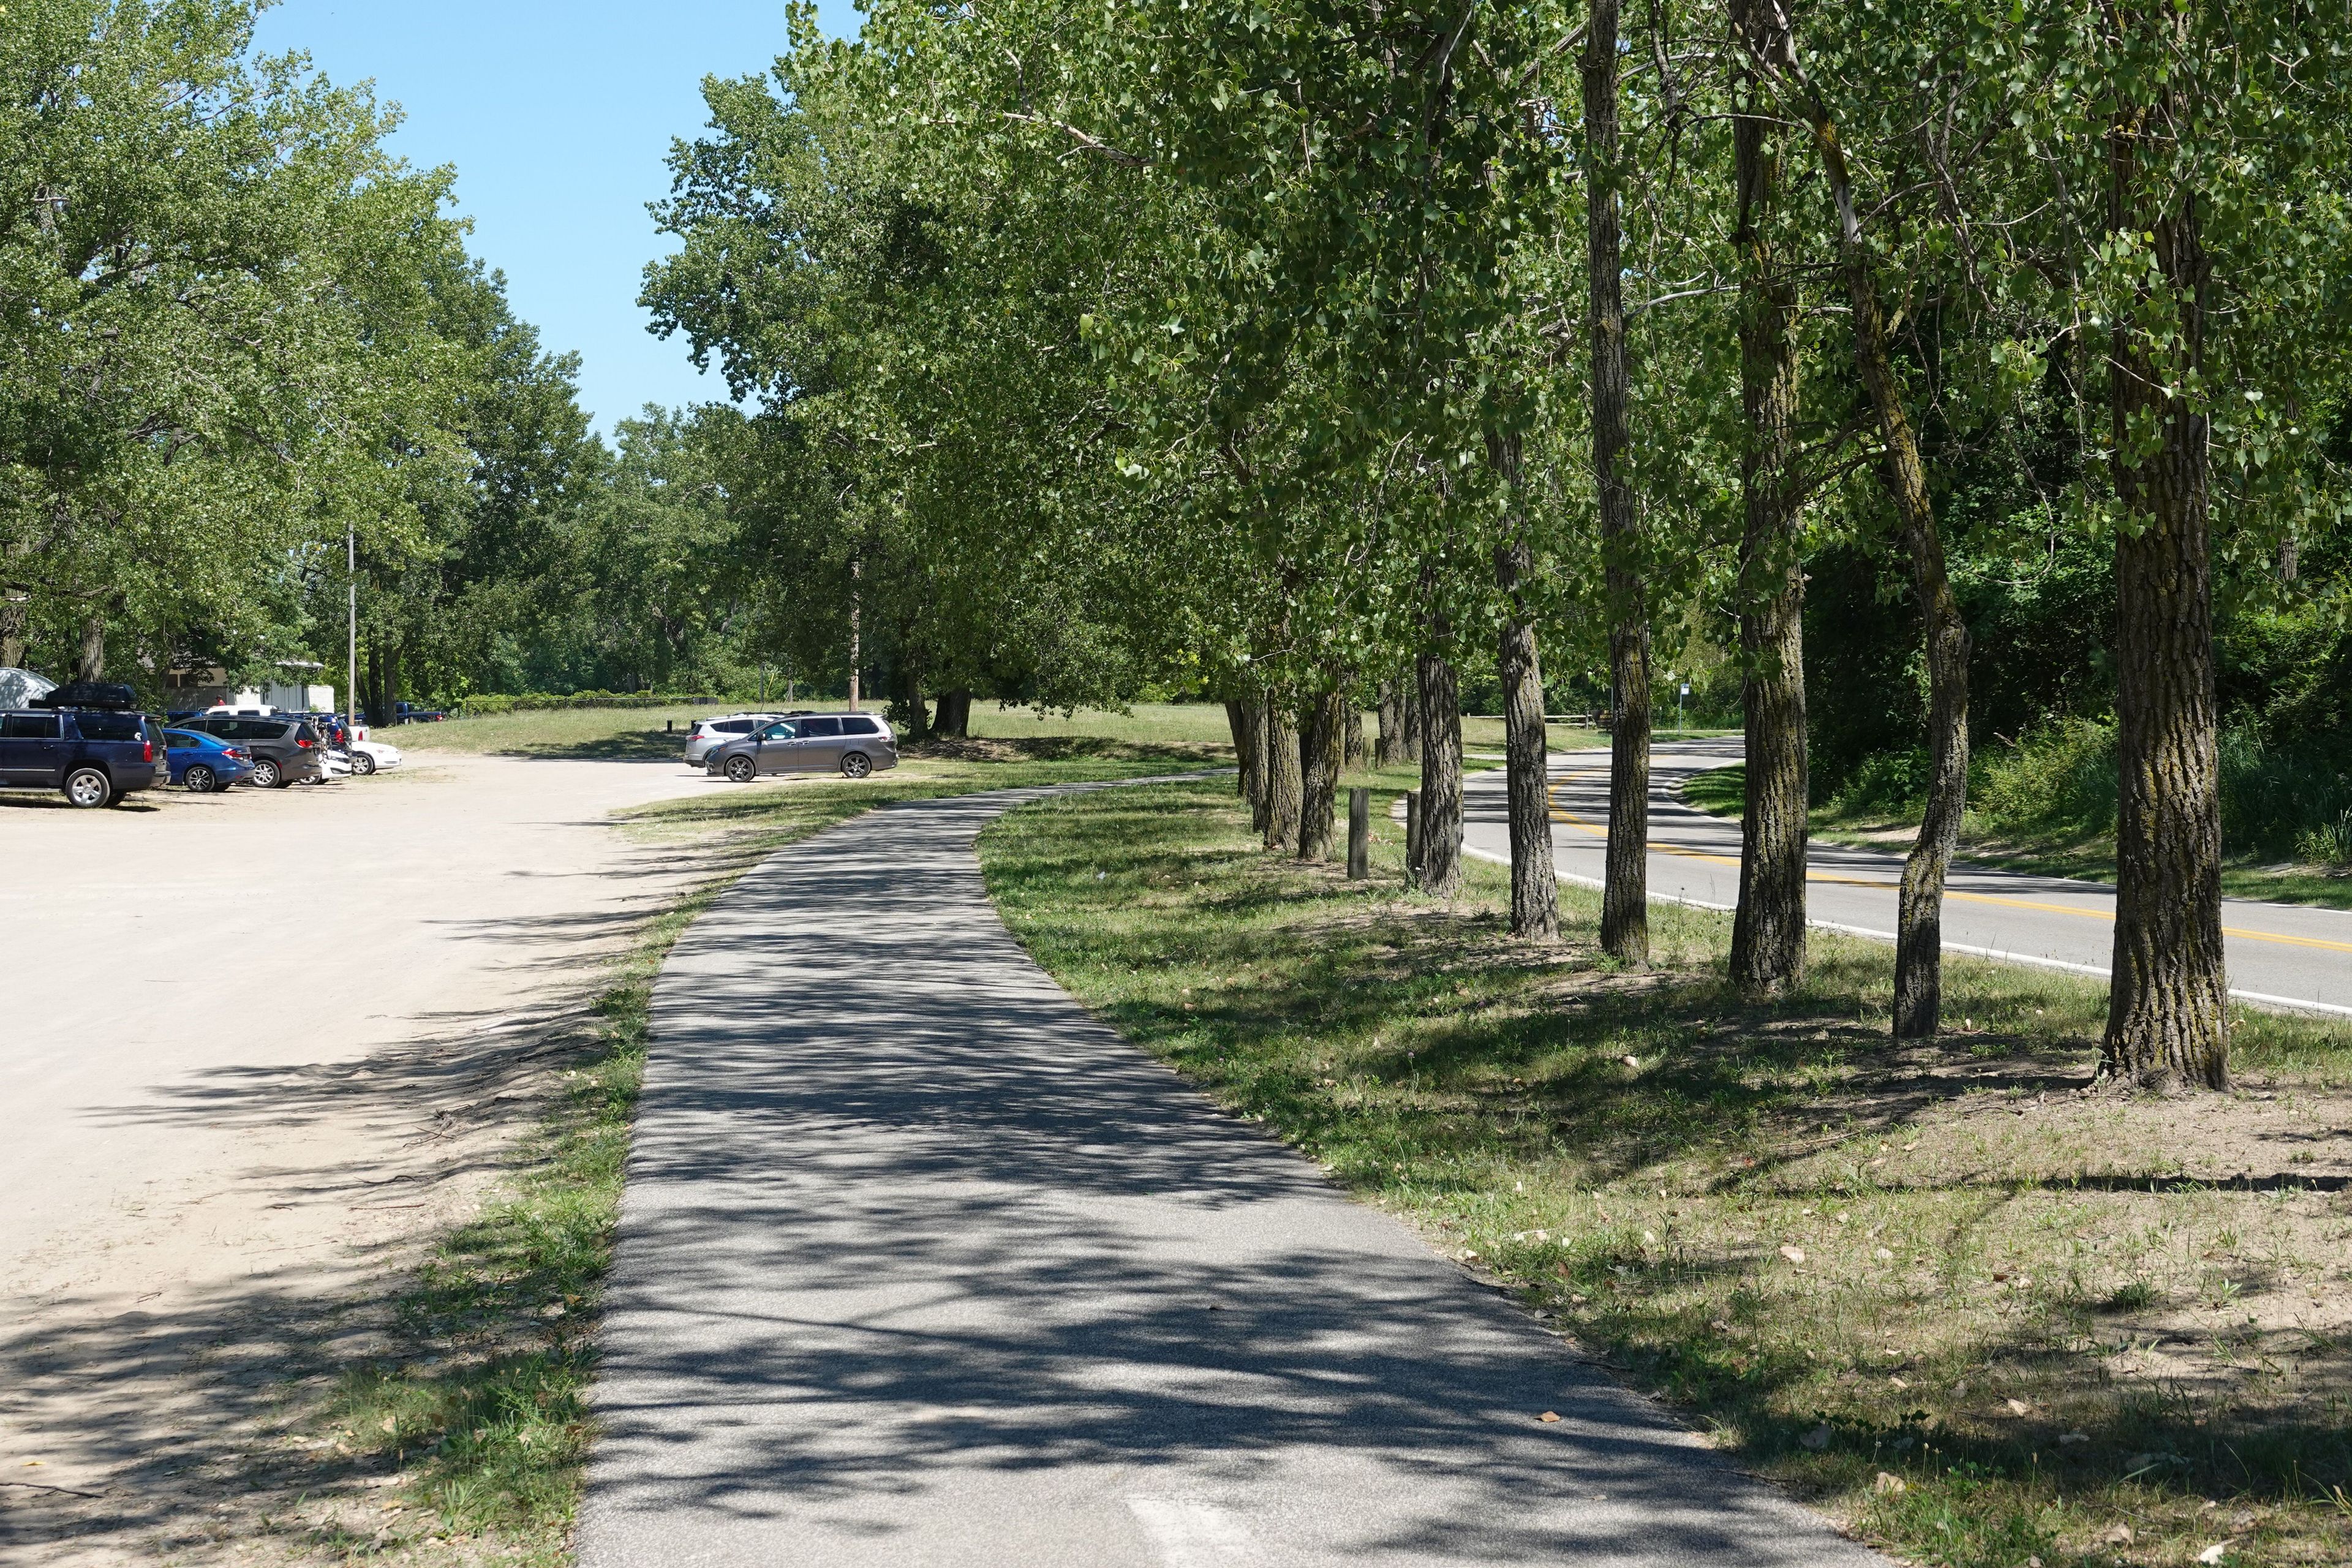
2280	956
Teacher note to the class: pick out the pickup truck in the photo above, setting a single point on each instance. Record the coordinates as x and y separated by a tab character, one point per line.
95	757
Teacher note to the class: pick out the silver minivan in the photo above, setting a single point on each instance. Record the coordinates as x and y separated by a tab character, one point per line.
708	736
853	745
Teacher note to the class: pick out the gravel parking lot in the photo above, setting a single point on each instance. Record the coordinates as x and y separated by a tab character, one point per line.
254	1048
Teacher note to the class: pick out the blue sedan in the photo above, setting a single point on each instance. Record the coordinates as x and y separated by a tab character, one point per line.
204	762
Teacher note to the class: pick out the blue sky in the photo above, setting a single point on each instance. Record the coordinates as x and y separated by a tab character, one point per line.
557	117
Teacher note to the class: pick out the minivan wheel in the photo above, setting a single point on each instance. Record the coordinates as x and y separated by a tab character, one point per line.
89	786
267	773
201	779
741	769
856	766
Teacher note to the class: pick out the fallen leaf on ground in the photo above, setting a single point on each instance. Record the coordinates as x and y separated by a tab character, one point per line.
1885	1256
1817	1439
1793	1254
1549	1416
2017	1406
2073	1438
2120	1535
1888	1483
392	1423
2213	1552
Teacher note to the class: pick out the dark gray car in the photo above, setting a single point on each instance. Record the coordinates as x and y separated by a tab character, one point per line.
853	745
285	750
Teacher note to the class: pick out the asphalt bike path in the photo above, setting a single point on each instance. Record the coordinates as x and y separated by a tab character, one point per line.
2280	956
921	1264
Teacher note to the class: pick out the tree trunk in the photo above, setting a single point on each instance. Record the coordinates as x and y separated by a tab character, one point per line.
1535	886
1919	922
1354	754
1389	751
2167	1018
1243	725
391	678
1283	784
89	661
1320	743
1767	934
953	721
1411	728
1262	744
1625	887
1441	777
13	618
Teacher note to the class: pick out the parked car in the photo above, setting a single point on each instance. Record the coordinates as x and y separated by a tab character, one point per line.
704	734
205	763
95	756
285	749
855	743
373	756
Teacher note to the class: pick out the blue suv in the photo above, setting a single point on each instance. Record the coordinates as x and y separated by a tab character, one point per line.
95	757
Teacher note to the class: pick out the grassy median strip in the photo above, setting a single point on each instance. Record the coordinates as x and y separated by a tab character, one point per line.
479	1410
1956	1296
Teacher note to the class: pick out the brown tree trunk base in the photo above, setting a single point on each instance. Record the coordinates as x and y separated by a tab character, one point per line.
1441	778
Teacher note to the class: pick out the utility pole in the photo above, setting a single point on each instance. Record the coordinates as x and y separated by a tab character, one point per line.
853	634
351	626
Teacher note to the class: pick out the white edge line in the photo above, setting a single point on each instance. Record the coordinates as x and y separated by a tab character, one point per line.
2261	998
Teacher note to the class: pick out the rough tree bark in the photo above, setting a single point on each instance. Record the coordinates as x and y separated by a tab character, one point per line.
13	618
1243	724
1441	776
90	659
1535	889
2167	1014
1410	727
1282	780
1625	885
1320	743
953	720
1767	934
1918	932
1389	751
1353	753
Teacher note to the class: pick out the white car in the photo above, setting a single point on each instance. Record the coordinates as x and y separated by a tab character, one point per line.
373	757
707	733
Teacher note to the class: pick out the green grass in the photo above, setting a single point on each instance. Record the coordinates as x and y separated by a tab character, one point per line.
638	733
1722	791
1839	1259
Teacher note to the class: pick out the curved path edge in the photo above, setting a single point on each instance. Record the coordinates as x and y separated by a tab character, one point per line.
920	1263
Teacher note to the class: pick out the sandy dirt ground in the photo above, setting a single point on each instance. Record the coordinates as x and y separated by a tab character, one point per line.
255	1049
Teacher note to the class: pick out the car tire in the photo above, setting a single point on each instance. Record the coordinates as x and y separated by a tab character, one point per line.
856	766
362	765
87	787
742	770
268	774
200	779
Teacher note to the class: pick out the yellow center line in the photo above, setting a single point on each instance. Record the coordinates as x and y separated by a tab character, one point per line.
1581	825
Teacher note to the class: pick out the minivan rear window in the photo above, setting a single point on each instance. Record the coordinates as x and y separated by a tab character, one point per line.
861	726
820	727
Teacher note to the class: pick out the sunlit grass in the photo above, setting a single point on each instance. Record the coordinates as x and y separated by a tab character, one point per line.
1641	1155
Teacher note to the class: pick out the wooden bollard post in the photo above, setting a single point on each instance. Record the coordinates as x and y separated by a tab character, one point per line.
1413	837
1360	835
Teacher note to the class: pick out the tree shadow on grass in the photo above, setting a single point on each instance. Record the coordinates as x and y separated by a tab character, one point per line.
1420	1050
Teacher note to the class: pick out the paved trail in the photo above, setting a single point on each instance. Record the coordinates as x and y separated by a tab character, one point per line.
920	1265
2280	956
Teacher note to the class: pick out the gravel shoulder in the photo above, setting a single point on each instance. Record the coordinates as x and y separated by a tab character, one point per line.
257	1050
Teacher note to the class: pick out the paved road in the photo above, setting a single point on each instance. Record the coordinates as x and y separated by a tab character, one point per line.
920	1265
2280	954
